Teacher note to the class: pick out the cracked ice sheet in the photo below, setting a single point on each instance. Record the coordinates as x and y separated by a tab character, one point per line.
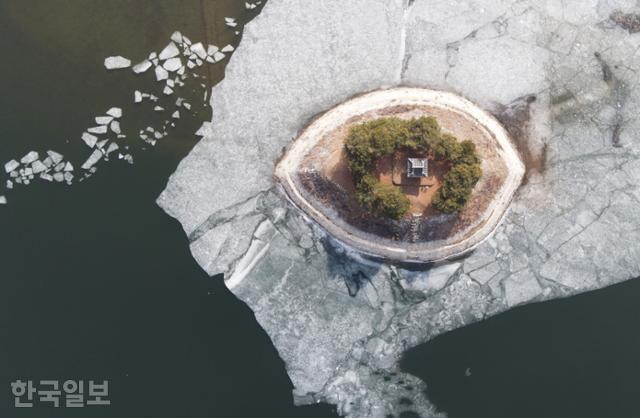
242	131
573	227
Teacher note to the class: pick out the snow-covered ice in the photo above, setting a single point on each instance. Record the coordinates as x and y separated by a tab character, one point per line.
115	127
116	63
115	112
11	166
95	156
103	120
89	139
173	64
199	50
170	51
55	157
30	157
161	73
98	130
142	67
38	167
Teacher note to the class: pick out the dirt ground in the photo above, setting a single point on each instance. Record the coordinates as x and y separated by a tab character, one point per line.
328	159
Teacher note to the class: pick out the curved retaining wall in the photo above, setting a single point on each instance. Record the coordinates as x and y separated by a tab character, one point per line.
395	251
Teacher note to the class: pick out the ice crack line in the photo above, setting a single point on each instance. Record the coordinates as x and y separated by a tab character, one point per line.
403	58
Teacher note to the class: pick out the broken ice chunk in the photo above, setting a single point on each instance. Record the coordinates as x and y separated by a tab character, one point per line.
228	48
158	109
199	50
218	56
91	161
9	184
176	37
230	21
169	51
116	112
142	67
68	177
187	106
59	177
56	157
212	49
161	73
172	64
11	166
99	130
3	200
103	120
68	167
89	139
116	63
38	167
115	127
176	114
168	90
30	157
102	143
112	147
47	177
137	96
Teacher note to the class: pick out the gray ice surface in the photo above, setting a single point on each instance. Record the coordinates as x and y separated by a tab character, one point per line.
562	75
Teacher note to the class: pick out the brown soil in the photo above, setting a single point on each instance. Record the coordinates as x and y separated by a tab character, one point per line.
325	175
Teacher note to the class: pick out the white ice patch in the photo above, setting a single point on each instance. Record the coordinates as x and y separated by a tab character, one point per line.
116	63
169	51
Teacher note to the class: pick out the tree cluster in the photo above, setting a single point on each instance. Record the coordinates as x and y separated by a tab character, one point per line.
367	142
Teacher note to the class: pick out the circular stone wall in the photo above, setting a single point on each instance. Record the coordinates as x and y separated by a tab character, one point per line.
309	165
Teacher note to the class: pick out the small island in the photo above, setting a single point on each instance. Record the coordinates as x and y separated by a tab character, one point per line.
407	174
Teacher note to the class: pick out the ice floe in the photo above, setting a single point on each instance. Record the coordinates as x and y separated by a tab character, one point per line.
142	67
30	157
116	112
89	139
172	64
161	73
92	160
116	63
98	130
11	166
104	120
169	51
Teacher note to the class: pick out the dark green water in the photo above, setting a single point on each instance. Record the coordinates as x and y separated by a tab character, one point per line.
96	281
572	358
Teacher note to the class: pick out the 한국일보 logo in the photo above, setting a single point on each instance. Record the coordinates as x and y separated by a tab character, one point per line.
71	394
